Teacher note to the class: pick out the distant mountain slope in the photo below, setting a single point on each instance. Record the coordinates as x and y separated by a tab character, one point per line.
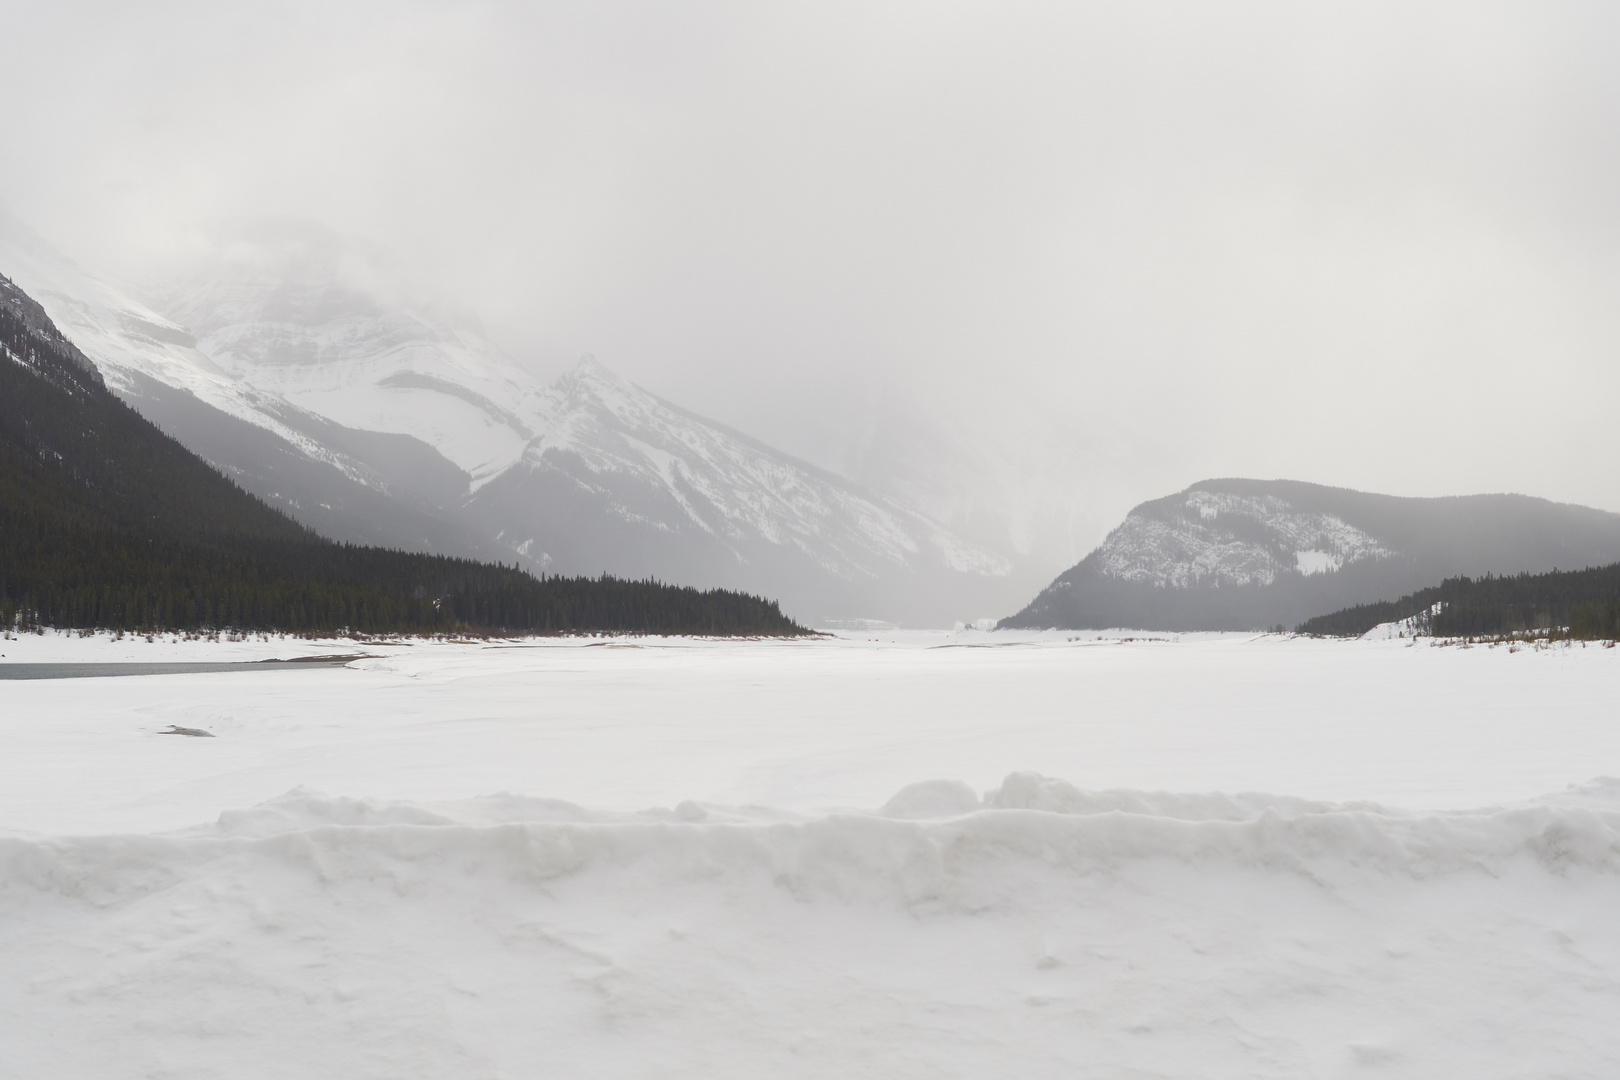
618	478
1248	554
107	522
587	475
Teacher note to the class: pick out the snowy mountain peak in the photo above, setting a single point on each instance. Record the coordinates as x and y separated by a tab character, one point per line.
590	367
591	385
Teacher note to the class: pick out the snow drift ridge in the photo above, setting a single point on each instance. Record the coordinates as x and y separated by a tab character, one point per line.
1040	930
928	846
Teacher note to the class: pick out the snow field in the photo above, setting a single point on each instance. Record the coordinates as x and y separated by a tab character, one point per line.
417	925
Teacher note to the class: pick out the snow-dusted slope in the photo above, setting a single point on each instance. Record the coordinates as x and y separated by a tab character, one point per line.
349	484
38	338
1233	540
1243	554
729	486
128	340
618	479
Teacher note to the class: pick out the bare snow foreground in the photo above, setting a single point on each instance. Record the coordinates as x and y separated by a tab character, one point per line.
1035	930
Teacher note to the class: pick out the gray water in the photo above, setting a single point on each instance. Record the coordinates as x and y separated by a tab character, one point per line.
13	671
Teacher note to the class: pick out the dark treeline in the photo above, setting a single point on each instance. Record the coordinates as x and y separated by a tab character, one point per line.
105	522
1581	604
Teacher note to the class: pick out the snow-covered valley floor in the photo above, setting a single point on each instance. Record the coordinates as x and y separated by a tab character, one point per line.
666	858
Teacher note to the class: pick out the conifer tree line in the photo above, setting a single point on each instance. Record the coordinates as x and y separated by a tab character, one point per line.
107	523
1579	604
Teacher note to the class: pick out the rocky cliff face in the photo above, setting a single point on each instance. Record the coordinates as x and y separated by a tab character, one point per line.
1211	539
1249	554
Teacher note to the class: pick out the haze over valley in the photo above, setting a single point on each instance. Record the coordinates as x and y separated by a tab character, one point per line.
1021	270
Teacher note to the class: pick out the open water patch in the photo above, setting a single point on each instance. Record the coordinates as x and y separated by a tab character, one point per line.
26	671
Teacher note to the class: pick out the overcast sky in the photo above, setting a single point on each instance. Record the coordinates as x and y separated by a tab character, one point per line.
1373	244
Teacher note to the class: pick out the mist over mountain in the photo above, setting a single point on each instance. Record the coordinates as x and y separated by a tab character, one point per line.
358	486
1042	489
1251	554
1020	270
328	323
298	361
316	373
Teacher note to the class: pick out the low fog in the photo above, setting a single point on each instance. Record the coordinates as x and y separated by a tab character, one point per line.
1035	263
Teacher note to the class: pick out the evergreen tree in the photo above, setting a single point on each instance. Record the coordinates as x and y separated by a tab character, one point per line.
1581	604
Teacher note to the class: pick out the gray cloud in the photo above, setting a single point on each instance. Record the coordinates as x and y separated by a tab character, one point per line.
1102	250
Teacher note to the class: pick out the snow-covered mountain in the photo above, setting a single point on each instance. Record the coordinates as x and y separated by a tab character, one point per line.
299	362
1248	554
616	476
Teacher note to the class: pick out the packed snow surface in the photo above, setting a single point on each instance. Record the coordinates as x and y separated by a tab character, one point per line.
843	857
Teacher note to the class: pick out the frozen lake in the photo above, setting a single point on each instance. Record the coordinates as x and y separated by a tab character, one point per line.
627	725
688	858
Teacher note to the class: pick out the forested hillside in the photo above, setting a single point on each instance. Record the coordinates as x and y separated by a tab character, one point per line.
107	522
1569	603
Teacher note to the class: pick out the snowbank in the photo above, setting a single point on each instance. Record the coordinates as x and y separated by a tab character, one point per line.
1037	931
921	847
